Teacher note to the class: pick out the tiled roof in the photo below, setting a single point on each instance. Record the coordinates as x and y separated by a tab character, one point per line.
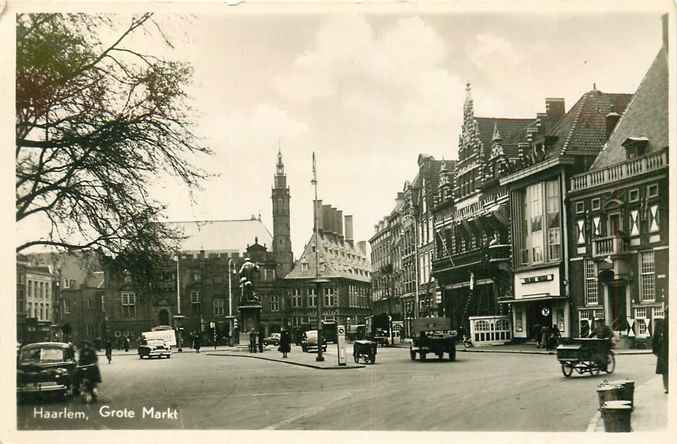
511	130
583	127
338	259
222	235
645	116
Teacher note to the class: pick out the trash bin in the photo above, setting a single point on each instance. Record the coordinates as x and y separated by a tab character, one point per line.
616	416
627	391
608	392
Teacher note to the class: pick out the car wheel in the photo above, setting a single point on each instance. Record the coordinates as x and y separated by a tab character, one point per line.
567	370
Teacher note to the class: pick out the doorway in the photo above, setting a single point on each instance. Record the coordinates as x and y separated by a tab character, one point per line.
163	317
617	307
538	314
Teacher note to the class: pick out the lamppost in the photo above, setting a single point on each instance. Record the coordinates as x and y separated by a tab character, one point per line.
231	271
318	281
178	316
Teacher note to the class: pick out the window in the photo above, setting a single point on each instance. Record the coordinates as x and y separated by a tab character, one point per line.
128	300
274	303
66	304
633	195
312	297
304	266
30	288
580	207
518	319
652	190
653	219
580	232
596	204
197	277
552	208
30	309
591	284
47	316
614	224
647	276
219	307
195	297
296	298
66	283
330	298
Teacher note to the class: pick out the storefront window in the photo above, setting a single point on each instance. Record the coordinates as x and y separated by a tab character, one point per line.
518	320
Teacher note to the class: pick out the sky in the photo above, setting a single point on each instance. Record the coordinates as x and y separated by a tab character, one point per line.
368	93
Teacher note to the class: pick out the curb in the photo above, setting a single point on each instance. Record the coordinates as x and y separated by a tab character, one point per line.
517	352
300	364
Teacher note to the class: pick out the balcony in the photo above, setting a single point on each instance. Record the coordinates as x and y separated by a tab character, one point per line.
609	246
625	170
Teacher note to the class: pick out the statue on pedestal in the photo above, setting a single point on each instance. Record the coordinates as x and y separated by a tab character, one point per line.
247	272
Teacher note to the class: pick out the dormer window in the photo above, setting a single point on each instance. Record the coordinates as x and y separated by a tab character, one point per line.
635	146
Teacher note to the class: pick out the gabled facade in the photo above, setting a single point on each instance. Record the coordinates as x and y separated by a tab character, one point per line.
472	220
555	147
344	298
618	234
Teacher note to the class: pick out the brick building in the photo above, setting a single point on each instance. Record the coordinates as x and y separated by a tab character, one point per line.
618	235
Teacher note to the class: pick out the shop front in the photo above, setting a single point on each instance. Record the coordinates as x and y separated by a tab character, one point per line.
538	302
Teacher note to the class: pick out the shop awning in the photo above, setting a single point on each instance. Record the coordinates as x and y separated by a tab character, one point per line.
533	299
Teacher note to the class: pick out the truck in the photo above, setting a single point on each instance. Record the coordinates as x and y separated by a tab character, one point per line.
432	336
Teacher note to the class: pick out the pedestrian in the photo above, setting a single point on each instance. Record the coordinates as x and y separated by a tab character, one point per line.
536	333
109	350
660	349
601	330
285	342
554	337
252	341
545	336
196	342
260	338
126	343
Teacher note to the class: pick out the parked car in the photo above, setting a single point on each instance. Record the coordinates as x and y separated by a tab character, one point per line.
155	347
47	367
273	339
309	341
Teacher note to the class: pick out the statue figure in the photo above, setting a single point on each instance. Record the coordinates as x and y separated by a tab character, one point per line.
247	281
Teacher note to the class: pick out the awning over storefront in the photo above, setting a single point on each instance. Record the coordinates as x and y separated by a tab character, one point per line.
533	299
467	284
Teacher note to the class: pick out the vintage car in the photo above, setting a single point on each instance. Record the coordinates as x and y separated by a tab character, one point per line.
273	339
309	341
433	336
47	367
155	347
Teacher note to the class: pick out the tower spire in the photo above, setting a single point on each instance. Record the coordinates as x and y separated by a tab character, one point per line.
468	105
497	135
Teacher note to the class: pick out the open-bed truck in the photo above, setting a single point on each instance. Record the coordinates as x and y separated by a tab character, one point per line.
433	336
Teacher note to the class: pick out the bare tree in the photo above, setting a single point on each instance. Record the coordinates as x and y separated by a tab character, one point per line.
95	125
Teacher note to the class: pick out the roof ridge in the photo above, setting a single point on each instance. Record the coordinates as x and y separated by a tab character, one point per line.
627	107
582	101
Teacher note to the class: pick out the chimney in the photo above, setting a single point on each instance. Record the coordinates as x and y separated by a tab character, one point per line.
326	218
339	223
554	108
611	121
666	34
334	226
349	228
318	212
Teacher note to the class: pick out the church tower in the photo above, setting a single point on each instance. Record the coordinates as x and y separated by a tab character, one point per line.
281	232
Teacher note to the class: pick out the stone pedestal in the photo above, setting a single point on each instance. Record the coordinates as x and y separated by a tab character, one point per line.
250	318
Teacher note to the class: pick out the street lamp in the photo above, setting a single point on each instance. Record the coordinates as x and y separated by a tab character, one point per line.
231	271
178	316
318	282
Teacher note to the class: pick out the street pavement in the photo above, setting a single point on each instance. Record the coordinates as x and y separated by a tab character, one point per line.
477	392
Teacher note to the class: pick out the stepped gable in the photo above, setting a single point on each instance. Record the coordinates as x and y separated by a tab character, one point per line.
582	130
338	259
646	116
222	235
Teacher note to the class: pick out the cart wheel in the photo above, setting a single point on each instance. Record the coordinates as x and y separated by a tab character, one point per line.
412	354
422	356
567	370
611	363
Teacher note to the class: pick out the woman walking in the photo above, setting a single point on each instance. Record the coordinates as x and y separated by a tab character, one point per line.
285	342
109	350
660	349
